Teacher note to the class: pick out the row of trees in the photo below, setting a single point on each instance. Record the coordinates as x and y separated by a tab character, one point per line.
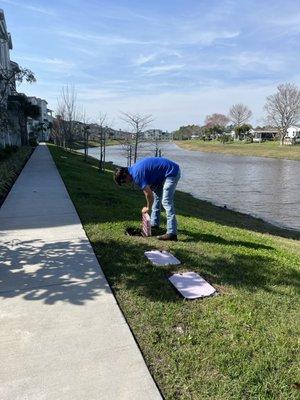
216	125
282	110
72	126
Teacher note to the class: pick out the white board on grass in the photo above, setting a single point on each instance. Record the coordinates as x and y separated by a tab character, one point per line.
161	257
192	285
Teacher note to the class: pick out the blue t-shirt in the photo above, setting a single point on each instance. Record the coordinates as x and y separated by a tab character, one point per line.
152	171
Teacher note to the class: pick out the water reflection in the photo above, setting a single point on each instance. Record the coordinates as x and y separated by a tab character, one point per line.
264	187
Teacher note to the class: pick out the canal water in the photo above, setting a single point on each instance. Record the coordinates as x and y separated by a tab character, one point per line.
268	188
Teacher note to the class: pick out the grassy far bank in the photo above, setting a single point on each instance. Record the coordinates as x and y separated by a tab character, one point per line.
10	168
93	143
241	344
266	149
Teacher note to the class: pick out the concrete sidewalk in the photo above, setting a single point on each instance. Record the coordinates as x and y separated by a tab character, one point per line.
62	334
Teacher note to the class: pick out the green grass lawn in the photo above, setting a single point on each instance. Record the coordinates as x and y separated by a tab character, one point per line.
266	149
10	169
241	344
93	143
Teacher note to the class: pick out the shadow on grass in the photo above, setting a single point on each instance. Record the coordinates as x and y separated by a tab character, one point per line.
67	271
132	271
208	238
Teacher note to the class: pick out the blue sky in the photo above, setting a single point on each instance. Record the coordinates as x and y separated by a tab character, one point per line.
178	60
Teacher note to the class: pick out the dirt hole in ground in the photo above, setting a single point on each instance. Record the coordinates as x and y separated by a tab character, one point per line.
133	232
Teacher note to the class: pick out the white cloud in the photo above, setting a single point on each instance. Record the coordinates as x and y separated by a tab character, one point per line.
206	37
94	95
288	20
162	69
41	10
141	60
106	40
252	60
37	9
116	12
162	54
46	60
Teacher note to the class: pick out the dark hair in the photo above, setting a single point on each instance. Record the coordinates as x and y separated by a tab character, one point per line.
121	175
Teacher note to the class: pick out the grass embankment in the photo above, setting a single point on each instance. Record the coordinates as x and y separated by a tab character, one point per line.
241	344
92	143
265	149
10	168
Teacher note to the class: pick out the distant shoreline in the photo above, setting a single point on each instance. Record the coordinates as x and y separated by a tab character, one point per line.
266	149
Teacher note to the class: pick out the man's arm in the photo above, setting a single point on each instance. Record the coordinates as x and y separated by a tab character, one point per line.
149	198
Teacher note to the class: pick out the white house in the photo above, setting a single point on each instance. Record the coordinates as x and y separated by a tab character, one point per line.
293	135
263	134
41	126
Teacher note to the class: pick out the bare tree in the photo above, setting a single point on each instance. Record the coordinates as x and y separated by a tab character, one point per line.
216	120
239	114
138	123
84	132
283	108
102	138
58	131
67	110
155	140
127	146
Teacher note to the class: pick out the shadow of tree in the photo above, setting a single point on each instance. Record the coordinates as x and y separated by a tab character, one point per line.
65	271
131	269
209	238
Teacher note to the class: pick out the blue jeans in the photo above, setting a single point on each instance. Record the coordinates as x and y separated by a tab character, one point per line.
164	196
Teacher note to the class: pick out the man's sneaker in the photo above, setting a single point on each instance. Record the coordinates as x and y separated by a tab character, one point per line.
168	236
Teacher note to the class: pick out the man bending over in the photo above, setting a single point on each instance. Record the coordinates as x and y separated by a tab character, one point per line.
158	178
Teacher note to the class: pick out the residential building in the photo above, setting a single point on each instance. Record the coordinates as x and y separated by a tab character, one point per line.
41	126
8	134
293	135
263	134
156	134
19	115
5	43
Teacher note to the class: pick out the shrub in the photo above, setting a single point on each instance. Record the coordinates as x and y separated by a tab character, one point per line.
226	139
12	159
32	142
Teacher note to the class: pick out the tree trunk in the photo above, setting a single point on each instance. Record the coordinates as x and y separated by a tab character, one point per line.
101	150
23	128
282	136
85	146
136	147
104	147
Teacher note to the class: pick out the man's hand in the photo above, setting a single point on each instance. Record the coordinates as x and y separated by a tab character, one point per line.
149	198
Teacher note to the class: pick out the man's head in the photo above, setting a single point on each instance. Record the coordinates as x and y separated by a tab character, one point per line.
122	176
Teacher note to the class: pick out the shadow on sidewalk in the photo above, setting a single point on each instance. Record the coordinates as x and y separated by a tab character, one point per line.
64	271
